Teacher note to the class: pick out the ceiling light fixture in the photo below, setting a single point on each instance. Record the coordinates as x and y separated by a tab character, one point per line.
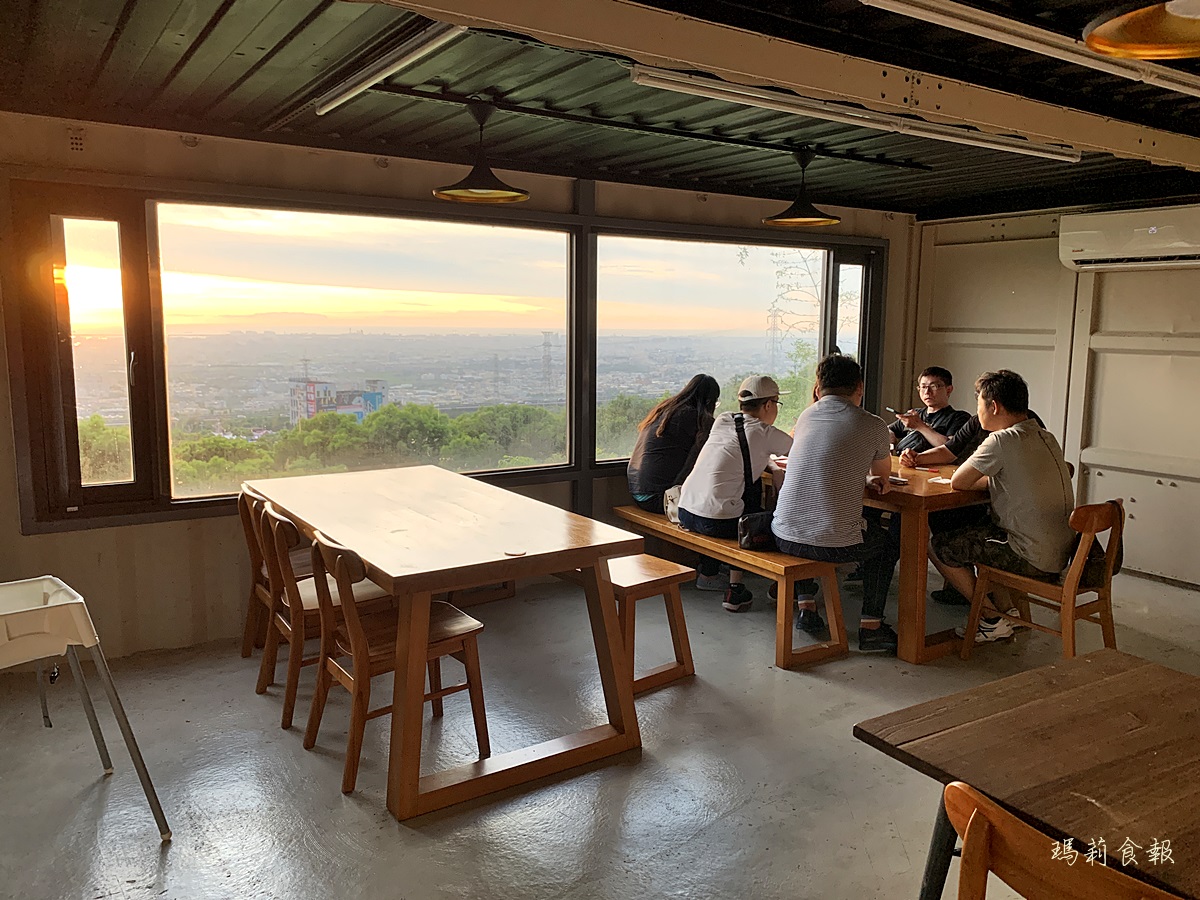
801	214
990	26
481	184
414	49
765	98
1147	31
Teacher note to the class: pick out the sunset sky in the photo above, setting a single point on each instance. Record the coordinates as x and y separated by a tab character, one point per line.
227	268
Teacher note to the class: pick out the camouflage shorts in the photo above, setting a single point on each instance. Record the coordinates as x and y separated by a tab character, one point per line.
984	544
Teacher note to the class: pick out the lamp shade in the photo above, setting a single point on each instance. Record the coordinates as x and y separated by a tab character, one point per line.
1147	31
481	184
801	214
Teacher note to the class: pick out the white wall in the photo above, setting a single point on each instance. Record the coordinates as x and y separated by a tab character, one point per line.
180	583
1112	361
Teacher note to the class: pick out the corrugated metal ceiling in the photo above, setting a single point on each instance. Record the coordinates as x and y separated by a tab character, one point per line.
251	68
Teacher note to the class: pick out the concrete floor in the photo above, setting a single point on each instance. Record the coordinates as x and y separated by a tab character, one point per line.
749	783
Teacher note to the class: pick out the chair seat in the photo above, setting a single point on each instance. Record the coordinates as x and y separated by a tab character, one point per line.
363	591
446	623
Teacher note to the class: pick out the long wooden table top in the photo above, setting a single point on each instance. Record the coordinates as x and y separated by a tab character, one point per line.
1101	746
425	528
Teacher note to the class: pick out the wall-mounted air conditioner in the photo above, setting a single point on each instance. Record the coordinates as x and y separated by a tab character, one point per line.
1138	239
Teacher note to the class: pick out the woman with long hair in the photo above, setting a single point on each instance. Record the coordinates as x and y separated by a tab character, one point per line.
669	440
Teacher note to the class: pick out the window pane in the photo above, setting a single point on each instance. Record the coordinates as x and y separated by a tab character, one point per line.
92	278
302	342
849	309
669	309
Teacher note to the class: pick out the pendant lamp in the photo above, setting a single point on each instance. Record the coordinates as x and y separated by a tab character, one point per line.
1147	31
801	214
481	184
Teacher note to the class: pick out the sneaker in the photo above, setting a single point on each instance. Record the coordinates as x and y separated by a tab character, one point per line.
950	596
877	640
1015	612
738	598
810	621
988	631
711	583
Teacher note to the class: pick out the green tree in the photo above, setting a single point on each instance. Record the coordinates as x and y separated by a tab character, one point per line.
407	432
105	452
617	422
518	430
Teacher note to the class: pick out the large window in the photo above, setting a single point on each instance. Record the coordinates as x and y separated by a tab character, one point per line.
303	342
669	309
163	350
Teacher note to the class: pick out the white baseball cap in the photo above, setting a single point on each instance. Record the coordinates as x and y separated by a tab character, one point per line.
759	387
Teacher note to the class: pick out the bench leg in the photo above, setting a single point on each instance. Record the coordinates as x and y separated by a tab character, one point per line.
667	673
835	648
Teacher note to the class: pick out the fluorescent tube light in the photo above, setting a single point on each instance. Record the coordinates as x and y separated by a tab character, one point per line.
992	27
763	98
403	56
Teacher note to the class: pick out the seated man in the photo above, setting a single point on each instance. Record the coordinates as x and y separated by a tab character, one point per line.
958	446
1022	466
930	426
838	448
715	494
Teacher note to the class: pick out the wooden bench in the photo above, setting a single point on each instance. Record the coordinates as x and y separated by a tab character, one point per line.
635	578
783	568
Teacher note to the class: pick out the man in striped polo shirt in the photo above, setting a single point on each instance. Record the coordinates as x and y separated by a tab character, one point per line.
838	447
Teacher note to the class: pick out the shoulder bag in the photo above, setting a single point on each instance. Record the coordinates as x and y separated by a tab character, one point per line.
754	530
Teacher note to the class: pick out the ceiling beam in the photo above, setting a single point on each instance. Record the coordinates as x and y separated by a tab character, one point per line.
541	112
674	41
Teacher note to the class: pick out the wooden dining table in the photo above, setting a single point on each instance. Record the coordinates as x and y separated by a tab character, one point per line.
423	530
1103	746
914	502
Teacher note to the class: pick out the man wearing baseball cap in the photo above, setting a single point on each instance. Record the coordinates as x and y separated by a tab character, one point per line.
715	494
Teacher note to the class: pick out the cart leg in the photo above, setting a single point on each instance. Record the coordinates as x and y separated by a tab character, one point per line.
85	697
41	683
130	741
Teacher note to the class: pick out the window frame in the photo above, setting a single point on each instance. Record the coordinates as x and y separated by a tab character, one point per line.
134	198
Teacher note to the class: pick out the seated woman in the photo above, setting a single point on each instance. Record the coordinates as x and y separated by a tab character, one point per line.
715	494
669	440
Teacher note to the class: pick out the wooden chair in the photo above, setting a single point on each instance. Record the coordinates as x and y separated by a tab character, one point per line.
295	612
1062	597
635	578
994	840
369	640
260	602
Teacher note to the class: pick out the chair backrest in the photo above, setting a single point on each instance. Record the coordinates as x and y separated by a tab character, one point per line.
1091	521
347	568
250	510
280	537
994	840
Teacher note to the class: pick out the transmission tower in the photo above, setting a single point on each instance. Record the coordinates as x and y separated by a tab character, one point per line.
548	379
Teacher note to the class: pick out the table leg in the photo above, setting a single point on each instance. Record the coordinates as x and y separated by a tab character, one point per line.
610	652
408	705
941	848
914	561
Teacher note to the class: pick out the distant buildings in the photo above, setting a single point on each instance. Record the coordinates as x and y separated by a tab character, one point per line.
311	398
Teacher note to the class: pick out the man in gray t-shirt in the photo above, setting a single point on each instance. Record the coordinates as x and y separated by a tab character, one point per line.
838	449
1022	466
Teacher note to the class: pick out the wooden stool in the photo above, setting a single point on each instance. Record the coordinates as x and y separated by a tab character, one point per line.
635	578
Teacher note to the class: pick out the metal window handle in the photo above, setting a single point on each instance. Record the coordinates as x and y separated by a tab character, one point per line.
132	368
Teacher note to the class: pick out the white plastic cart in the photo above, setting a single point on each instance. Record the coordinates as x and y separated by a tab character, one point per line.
42	618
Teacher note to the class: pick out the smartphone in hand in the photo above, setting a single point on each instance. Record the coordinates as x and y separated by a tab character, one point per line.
896	479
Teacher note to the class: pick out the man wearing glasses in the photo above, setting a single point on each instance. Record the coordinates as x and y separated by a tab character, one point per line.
919	430
726	481
837	447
